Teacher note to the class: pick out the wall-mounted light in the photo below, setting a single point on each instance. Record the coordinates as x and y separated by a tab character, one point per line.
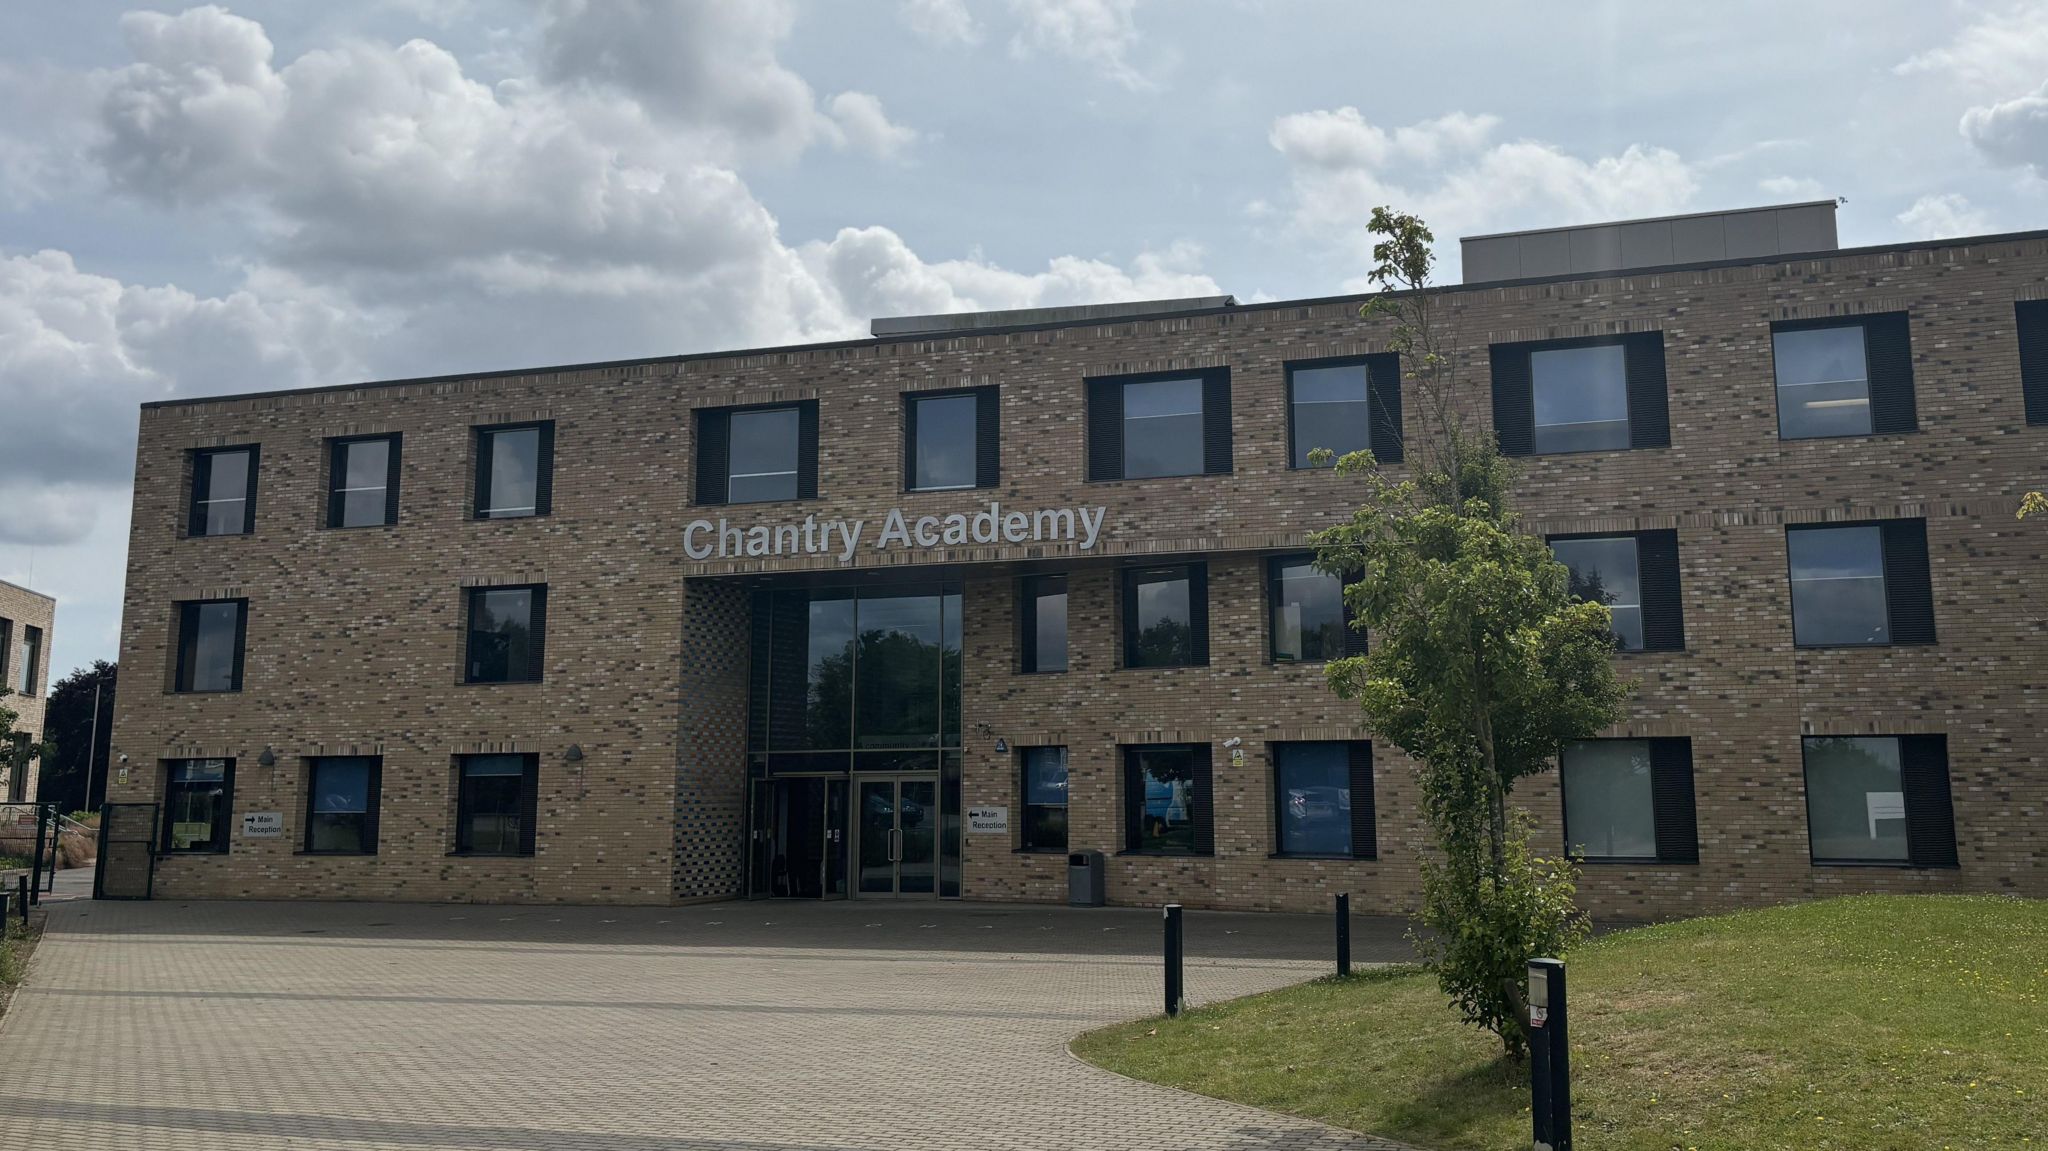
574	754
268	758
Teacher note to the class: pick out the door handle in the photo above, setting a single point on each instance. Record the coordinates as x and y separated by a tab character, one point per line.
895	846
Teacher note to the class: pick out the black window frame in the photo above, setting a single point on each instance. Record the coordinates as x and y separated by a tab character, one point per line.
2030	321
536	632
543	469
1104	401
988	438
528	799
1201	801
223	831
1354	641
374	800
1026	842
185	650
1197	575
6	650
1925	788
1674	812
201	487
1887	373
1030	590
1644	385
712	447
31	680
337	478
1363	833
1908	583
1660	585
1385	437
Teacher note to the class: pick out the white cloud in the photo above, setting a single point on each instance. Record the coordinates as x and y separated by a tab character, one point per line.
1941	216
2011	133
1450	172
1100	33
862	125
81	351
940	22
872	272
1792	187
2000	51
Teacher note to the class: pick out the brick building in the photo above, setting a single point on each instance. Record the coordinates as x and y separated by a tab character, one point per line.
26	619
918	615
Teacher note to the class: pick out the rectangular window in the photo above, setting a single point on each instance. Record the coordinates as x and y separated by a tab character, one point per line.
362	482
1602	393
1629	799
515	471
1166	616
7	659
1604	571
951	440
507	630
1045	799
1580	396
211	636
1309	620
1843	377
223	492
1860	584
198	802
2032	319
1042	624
755	455
1882	799
1161	425
1636	576
496	803
27	680
342	795
1346	406
1322	799
1167	800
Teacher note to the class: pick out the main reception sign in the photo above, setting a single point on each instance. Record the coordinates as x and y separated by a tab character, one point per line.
706	539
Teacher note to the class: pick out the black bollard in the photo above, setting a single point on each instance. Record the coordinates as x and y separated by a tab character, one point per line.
21	898
1174	951
1344	933
35	866
1550	1067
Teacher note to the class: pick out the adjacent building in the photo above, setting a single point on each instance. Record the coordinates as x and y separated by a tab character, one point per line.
922	615
26	619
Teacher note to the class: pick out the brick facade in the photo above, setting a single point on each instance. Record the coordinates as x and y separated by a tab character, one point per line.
354	636
20	609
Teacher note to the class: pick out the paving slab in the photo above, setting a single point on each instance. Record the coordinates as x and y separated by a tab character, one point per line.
749	1026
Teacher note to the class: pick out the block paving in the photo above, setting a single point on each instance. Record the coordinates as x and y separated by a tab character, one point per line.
174	1026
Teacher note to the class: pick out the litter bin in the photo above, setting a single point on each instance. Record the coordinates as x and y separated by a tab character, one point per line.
1084	879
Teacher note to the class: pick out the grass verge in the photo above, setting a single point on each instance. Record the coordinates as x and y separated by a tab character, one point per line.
17	941
1871	1023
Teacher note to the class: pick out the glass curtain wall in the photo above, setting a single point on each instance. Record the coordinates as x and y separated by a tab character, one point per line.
862	680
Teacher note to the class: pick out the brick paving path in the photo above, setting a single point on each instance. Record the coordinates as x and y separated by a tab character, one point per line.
756	1027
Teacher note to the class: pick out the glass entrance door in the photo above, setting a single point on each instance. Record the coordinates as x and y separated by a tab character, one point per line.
897	841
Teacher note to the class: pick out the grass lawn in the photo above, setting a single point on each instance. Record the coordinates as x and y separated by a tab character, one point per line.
1871	1023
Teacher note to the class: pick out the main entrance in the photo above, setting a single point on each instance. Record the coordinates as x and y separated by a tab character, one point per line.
854	749
897	841
803	834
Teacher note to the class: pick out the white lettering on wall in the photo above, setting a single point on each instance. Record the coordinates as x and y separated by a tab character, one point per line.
709	539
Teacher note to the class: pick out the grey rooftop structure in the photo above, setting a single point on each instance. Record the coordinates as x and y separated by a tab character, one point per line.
1699	237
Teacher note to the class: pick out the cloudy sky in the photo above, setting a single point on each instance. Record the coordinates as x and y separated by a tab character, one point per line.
199	200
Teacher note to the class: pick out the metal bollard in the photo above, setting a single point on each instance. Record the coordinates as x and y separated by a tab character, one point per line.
21	898
1344	933
1175	949
1550	1067
35	866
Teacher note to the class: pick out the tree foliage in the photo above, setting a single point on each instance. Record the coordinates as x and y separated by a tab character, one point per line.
1482	662
16	750
68	776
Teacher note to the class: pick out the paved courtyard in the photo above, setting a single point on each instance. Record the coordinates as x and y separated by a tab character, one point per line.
224	1026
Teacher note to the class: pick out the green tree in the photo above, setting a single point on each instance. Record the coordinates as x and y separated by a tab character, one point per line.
2034	503
1482	663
